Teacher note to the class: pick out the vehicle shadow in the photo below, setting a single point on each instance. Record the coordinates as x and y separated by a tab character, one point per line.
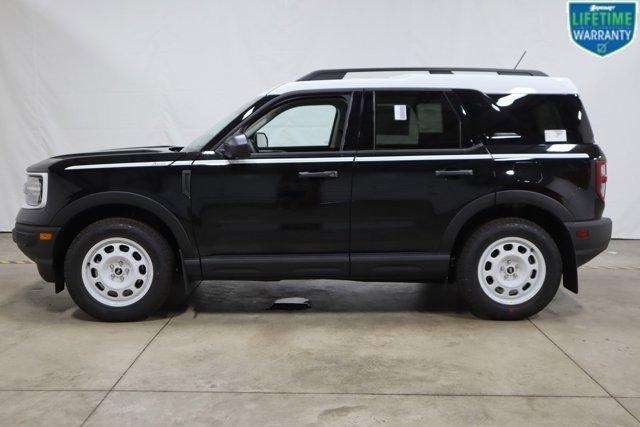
258	297
345	296
326	296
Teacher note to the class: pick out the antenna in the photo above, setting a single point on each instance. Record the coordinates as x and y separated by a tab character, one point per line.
520	60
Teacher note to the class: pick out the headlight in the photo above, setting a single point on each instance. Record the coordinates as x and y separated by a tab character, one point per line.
35	190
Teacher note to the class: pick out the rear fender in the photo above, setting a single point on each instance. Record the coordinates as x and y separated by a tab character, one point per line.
490	206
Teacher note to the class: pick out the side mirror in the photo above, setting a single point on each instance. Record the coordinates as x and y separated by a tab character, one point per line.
237	147
261	140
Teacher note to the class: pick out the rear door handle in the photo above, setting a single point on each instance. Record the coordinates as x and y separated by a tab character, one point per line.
456	172
323	174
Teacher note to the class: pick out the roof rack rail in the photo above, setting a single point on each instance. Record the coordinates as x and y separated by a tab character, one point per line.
339	74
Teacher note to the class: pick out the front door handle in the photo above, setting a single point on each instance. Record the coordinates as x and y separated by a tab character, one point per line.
456	172
323	174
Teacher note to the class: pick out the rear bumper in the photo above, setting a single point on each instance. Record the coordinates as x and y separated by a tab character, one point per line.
27	237
593	241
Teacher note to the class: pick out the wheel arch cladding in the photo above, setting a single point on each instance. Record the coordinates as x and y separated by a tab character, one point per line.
538	208
77	215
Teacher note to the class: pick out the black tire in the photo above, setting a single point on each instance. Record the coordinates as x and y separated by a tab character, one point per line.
158	250
467	268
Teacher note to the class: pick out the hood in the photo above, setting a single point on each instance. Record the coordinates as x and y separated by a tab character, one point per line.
164	153
127	150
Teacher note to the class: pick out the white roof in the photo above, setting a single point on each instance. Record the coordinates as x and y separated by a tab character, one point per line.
487	83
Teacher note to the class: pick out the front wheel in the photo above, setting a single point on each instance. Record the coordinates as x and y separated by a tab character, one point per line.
119	269
509	269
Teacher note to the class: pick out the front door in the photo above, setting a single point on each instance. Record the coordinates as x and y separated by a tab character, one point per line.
284	211
414	171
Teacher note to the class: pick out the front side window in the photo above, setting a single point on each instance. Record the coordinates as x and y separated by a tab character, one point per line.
415	120
300	126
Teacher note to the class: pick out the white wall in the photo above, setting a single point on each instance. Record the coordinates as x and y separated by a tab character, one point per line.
78	75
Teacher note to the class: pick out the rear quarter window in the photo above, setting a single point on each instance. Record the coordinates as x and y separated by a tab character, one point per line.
527	118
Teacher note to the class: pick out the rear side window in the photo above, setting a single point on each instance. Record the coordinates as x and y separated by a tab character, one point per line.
527	118
415	120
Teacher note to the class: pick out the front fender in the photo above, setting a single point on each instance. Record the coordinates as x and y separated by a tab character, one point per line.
133	199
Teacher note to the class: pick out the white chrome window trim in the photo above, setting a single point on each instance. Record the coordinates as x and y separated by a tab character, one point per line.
423	157
45	190
225	162
344	159
182	163
525	156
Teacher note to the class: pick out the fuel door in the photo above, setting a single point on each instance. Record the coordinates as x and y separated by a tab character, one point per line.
525	172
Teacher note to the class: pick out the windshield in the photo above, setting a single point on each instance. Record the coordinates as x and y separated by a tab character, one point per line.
232	119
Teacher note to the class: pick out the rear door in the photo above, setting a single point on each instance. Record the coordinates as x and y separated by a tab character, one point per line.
414	171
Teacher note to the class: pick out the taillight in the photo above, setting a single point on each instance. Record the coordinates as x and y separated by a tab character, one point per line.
601	178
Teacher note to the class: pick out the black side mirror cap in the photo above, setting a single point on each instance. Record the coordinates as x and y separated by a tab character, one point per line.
237	147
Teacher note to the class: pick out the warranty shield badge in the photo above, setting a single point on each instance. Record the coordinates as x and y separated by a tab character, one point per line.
602	28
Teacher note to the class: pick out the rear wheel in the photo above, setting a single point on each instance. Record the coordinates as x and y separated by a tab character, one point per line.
119	269
509	269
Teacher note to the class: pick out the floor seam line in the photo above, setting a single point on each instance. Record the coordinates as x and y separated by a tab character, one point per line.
570	358
625	408
126	370
312	393
583	370
365	394
171	316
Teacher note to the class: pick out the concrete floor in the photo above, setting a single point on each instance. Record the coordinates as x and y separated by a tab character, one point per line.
398	354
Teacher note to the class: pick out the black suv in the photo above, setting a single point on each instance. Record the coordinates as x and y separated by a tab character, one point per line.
486	178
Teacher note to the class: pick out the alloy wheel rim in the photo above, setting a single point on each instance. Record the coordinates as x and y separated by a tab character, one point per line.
117	272
511	270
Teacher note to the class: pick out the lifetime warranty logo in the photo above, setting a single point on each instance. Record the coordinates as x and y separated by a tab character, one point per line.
602	28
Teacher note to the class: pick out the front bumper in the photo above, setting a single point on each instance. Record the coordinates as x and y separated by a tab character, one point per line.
589	238
27	237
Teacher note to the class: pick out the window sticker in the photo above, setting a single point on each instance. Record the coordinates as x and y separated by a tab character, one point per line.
555	135
400	112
